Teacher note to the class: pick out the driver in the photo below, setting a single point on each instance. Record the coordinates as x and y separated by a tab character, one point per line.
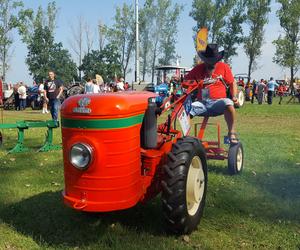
212	98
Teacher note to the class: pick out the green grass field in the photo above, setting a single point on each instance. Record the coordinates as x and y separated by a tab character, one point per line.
259	209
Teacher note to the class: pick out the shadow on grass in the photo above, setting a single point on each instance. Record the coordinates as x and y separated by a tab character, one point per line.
217	169
45	218
267	196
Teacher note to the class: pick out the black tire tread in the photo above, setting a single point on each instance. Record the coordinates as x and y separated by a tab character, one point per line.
232	161
173	185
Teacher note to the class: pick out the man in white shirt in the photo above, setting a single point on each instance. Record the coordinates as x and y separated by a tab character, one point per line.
120	84
22	96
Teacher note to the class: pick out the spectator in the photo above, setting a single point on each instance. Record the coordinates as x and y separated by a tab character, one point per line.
104	88
248	91
271	89
43	98
241	82
16	96
53	91
120	84
296	93
260	91
96	87
113	87
254	91
22	96
89	86
99	79
281	92
126	86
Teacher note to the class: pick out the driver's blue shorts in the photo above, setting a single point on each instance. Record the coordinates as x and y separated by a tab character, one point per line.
210	107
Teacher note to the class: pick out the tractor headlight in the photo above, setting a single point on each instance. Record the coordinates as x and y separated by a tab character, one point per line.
80	155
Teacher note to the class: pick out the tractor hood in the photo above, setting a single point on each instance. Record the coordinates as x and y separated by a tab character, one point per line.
107	105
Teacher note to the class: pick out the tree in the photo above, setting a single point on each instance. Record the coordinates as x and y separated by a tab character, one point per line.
224	20
44	55
77	41
102	34
37	31
42	18
168	39
105	62
288	46
211	14
89	37
232	34
146	22
163	19
9	20
257	11
122	35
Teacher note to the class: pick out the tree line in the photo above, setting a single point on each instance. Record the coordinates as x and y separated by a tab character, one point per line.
231	23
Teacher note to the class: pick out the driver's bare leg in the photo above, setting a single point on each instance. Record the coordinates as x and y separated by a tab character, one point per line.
229	115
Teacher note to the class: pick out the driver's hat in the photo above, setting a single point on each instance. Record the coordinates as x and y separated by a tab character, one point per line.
211	55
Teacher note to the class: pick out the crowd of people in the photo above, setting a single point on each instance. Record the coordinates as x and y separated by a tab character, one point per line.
97	85
46	93
264	90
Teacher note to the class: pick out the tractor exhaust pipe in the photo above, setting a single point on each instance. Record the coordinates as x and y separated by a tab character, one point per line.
149	126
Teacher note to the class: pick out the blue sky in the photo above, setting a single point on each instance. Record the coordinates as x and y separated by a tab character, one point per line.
93	10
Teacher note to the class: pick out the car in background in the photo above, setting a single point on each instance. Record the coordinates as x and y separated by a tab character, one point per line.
7	91
75	88
150	87
33	98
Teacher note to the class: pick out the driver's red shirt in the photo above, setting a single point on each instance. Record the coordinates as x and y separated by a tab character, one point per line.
216	90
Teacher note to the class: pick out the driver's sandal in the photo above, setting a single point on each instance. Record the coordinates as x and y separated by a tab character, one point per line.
233	138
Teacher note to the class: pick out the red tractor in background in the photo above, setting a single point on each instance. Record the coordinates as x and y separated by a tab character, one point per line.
116	155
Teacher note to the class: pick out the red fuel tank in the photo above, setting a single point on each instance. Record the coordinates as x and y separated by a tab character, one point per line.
101	150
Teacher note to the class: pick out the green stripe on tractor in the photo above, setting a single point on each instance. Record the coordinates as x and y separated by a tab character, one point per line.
102	123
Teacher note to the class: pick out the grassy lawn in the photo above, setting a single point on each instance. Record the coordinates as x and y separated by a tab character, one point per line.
259	209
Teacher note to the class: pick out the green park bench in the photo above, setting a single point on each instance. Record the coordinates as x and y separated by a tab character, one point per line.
23	125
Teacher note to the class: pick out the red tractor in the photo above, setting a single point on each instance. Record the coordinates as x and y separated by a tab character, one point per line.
116	155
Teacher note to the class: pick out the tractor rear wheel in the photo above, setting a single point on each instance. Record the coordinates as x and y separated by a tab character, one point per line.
184	186
235	158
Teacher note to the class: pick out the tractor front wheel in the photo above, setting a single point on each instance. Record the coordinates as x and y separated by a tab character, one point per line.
184	186
235	158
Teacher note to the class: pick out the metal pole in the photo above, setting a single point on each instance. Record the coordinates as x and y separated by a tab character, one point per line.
137	57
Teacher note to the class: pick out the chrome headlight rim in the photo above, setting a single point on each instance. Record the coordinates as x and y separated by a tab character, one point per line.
90	152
